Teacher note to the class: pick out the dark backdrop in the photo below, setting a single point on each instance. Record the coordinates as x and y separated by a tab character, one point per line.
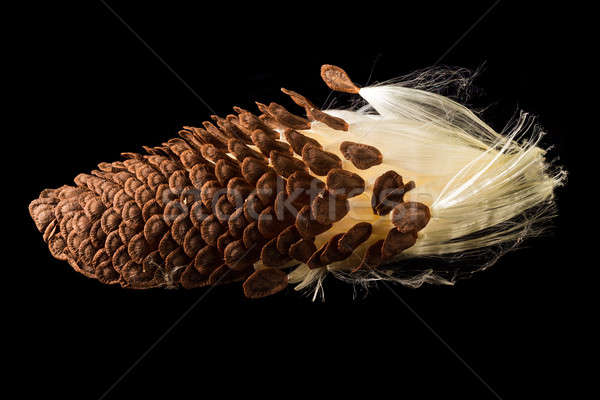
95	90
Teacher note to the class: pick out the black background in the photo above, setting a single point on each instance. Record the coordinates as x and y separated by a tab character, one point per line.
94	90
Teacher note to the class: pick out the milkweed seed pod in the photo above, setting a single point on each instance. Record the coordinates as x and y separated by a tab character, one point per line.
407	188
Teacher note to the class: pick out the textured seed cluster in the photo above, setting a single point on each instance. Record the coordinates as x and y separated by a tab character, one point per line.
204	208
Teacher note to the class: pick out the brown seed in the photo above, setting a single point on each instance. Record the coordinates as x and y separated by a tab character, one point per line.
207	259
189	196
191	278
57	246
173	210
286	118
138	247
271	122
315	259
267	187
155	229
192	242
253	169
362	156
232	131
355	236
307	226
180	227
226	170
237	222
204	137
265	282
329	120
235	255
287	238
345	183
410	216
223	241
271	257
201	174
164	195
284	209
177	182
297	140
327	207
167	167
266	143
302	250
285	164
252	123
166	245
151	208
241	151
224	275
253	206
211	229
302	188
223	209
252	237
269	225
237	191
384	185
110	220
394	197
337	79
333	252
299	99
211	192
216	133
396	241
372	257
189	158
319	161
112	243
213	153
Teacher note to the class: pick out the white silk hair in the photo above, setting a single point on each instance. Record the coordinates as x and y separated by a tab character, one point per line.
486	190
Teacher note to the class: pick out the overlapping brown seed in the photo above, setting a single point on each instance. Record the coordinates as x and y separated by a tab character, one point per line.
226	170
384	185
235	256
302	250
207	259
394	197
266	143
267	187
223	209
269	225
396	242
192	242
299	99
302	188
154	229
314	260
355	236
307	225
211	229
191	278
362	156
200	174
327	208
241	151
265	282
345	183
210	193
237	222
337	79
372	257
253	169
252	207
287	238
237	191
297	140
410	216
166	245
252	236
252	123
333	122
285	164
224	240
332	252
271	257
319	161
286	118
180	227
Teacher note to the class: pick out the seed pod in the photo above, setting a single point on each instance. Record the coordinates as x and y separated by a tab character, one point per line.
345	183
265	282
286	118
284	164
362	156
307	226
319	161
410	216
297	140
